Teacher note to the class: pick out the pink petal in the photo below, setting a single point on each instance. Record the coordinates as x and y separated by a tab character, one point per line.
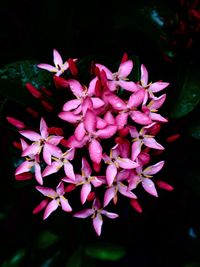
135	204
157	103
52	150
157	117
107	132
65	204
126	163
69	154
136	98
125	69
92	86
140	118
151	142
54	139
86	105
149	186
97	224
84	213
101	123
24	167
109	195
144	75
125	148
116	102
86	169
24	144
121	120
43	129
71	104
31	150
69	170
52	206
125	191
144	158
136	149
111	173
122	175
38	175
85	190
41	206
57	59
128	85
158	86
110	215
134	181
73	142
133	132
95	151
107	71
76	88
96	182
46	155
112	85
17	123
53	168
90	121
97	102
60	189
46	191
164	185
80	131
109	118
33	136
47	67
69	116
153	169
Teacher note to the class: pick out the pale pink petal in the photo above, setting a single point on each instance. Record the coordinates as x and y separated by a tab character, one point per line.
86	105
109	118
80	131
85	190
31	150
24	144
115	151
54	139
122	175
107	132
109	195
97	182
65	204
69	170
134	181
52	206
65	66
95	151
46	155
125	191
24	167
111	172
133	132
38	175
125	69
76	88
153	169
52	149
107	71
60	189
90	121
47	67
57	59
33	136
158	86
128	85
46	191
157	103
69	116
151	142
121	120
97	224
126	163
112	85
69	154
53	168
91	87
144	75
43	129
73	142
149	186
157	117
71	104
101	123
97	102
86	169
110	215
136	98
136	148
116	102
84	213
140	118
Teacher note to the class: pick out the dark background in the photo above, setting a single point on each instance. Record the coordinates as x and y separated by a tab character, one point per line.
168	231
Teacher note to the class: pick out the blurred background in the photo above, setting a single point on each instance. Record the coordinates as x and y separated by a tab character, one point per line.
163	35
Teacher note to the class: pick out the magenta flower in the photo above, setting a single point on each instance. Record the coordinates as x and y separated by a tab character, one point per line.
96	213
42	141
31	162
62	161
144	176
59	67
57	197
142	137
115	162
85	179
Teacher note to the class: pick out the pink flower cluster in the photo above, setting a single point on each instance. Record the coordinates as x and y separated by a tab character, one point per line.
115	134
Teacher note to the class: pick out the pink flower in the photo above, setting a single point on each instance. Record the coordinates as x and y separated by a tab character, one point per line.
57	197
42	140
96	213
85	179
59	67
32	161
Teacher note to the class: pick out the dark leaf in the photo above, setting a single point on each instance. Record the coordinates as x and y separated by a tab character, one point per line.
46	239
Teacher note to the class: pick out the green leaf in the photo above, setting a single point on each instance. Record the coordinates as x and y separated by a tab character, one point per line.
194	130
105	251
76	259
13	78
189	92
16	260
2	216
46	239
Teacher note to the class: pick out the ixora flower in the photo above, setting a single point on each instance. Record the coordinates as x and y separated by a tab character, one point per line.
109	140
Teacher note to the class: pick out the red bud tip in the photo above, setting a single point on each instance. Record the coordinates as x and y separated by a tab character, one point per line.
49	107
18	124
70	188
135	204
124	58
91	196
60	82
24	176
17	145
33	112
173	138
34	91
72	67
164	185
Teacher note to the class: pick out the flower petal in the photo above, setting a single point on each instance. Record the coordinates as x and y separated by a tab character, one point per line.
84	213
140	118
136	98
153	169
52	206
69	170
76	88
157	102
110	215
109	195
158	86
90	121
71	104
24	167
136	149
97	102
106	70
149	186
157	117
85	190
126	163
48	67
54	139
53	168
125	68
144	75
69	116
97	224
86	169
151	142
38	175
65	204
111	173
57	59
31	150
107	132
41	206
128	85
95	151
123	189
43	129
121	120
33	136
46	191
